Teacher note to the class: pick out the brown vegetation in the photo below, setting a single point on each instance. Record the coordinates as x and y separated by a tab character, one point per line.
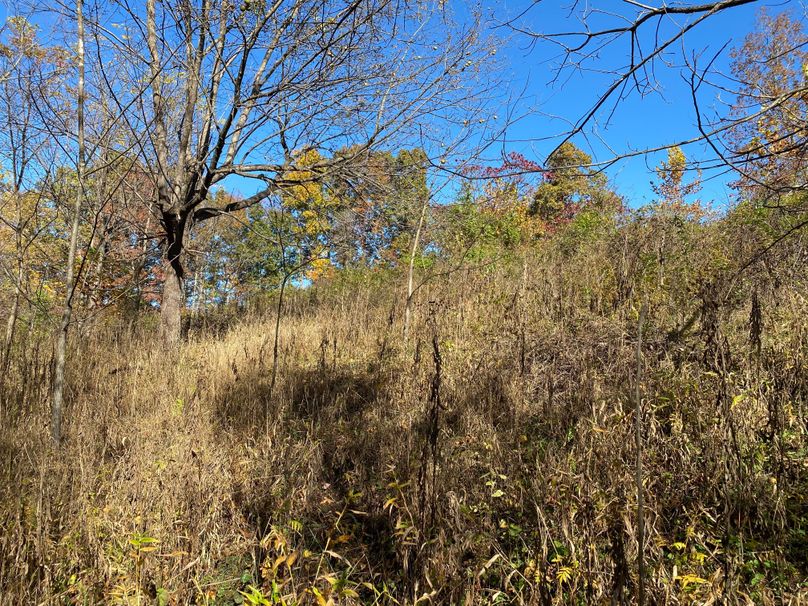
489	458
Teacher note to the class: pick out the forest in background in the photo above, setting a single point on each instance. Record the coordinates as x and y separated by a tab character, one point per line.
395	371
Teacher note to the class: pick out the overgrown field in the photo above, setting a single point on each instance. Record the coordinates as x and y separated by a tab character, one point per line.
487	458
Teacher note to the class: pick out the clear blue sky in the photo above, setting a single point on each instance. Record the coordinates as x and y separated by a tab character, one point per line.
546	105
660	118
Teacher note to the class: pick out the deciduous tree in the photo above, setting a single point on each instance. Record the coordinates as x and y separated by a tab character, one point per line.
233	90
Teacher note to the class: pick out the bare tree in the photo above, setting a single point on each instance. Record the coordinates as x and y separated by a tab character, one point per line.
650	40
70	281
411	267
233	91
30	71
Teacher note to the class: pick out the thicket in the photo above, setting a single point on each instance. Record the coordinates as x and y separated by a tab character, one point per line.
489	457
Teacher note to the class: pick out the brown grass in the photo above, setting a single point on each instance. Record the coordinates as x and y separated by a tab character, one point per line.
349	484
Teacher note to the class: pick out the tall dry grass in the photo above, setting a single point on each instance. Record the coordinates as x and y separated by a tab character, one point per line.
488	459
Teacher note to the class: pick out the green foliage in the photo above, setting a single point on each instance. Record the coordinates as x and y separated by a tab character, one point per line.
378	212
477	232
587	228
263	249
255	597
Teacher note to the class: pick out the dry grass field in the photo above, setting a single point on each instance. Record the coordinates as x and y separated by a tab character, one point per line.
488	458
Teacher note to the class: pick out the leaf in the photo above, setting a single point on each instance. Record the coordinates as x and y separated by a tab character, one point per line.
296	525
319	596
163	597
334	554
514	530
698	557
564	574
691	579
255	596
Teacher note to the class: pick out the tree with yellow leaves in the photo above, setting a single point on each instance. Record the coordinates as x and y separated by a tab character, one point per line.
768	137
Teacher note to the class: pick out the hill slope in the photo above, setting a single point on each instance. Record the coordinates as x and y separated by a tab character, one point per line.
488	458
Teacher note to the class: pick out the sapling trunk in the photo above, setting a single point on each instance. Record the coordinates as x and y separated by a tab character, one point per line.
70	282
411	270
639	466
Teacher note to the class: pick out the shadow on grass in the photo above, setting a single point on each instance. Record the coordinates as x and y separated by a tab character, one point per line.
320	412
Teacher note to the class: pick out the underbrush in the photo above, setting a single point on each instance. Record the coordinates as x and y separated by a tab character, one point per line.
488	458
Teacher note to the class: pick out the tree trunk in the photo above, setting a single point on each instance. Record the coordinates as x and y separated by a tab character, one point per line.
9	342
70	282
12	318
172	303
411	270
278	312
196	302
15	307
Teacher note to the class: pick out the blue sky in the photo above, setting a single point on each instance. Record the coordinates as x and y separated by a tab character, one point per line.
657	119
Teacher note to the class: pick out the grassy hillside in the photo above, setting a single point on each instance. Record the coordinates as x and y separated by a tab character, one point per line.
489	458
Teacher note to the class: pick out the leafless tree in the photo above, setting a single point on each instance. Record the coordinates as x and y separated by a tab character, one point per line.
70	282
651	39
30	71
228	91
